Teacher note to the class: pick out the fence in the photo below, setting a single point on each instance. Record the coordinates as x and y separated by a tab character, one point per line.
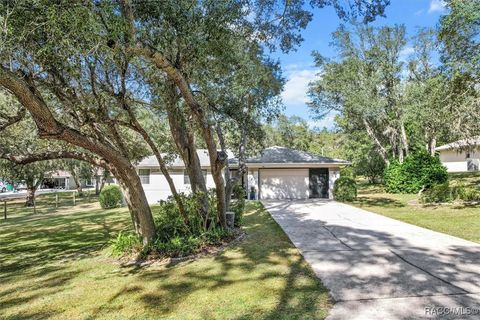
14	205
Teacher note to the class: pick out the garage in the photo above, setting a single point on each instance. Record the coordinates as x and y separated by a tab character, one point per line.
283	183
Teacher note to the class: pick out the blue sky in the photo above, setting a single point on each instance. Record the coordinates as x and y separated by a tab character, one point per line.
298	66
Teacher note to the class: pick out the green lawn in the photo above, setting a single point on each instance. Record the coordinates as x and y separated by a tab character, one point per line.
455	219
54	264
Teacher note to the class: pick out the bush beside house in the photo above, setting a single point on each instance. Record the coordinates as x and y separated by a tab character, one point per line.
345	189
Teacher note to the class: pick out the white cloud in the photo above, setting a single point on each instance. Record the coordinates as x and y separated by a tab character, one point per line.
327	122
295	91
406	52
436	6
419	12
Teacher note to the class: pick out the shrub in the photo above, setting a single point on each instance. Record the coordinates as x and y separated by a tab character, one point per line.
445	193
469	194
175	236
238	205
125	243
439	193
345	189
110	197
417	171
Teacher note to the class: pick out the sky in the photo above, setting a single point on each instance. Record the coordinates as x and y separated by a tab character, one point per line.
298	67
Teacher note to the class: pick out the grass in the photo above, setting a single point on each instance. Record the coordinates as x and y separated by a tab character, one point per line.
458	220
54	265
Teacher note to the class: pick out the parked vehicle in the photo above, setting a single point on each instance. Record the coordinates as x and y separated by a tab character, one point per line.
5	186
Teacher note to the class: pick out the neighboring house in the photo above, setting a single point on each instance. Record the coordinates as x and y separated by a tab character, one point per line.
63	180
460	156
277	173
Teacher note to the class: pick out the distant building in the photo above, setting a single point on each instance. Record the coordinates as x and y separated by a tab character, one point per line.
461	155
63	180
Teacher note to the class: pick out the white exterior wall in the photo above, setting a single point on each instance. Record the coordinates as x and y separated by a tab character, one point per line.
456	160
158	188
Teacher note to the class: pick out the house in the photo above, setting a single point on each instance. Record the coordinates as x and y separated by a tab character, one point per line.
61	179
461	155
276	173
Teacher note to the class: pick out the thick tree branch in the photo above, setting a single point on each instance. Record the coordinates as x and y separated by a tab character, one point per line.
54	155
7	120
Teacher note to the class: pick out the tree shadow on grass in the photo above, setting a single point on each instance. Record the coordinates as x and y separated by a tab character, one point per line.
378	202
264	273
38	254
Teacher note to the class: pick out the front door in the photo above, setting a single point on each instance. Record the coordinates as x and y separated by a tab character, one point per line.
318	182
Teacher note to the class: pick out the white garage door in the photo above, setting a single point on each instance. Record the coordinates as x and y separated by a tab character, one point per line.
284	183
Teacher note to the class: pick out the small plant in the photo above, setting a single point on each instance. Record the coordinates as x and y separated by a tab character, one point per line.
469	194
345	189
439	193
125	243
110	197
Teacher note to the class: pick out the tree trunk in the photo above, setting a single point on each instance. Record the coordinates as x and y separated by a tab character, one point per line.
432	144
78	183
185	143
136	200
30	196
381	149
32	186
97	184
230	181
403	132
102	183
163	167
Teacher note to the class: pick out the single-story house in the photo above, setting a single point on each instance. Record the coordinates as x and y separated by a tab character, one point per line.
461	155
276	173
61	179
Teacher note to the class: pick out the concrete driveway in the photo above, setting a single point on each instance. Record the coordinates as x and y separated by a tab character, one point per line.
379	268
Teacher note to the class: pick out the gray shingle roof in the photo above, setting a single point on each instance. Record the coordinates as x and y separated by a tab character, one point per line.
269	155
177	162
460	144
286	155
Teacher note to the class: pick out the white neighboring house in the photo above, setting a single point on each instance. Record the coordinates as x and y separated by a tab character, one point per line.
61	179
461	155
276	173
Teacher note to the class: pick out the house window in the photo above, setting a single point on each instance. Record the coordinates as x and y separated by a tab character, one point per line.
186	178
467	156
144	175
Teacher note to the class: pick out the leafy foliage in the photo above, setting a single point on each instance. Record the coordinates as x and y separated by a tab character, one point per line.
345	189
238	205
125	243
175	235
110	197
445	193
419	170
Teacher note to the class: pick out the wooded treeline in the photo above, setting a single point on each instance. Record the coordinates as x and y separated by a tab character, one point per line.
396	94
